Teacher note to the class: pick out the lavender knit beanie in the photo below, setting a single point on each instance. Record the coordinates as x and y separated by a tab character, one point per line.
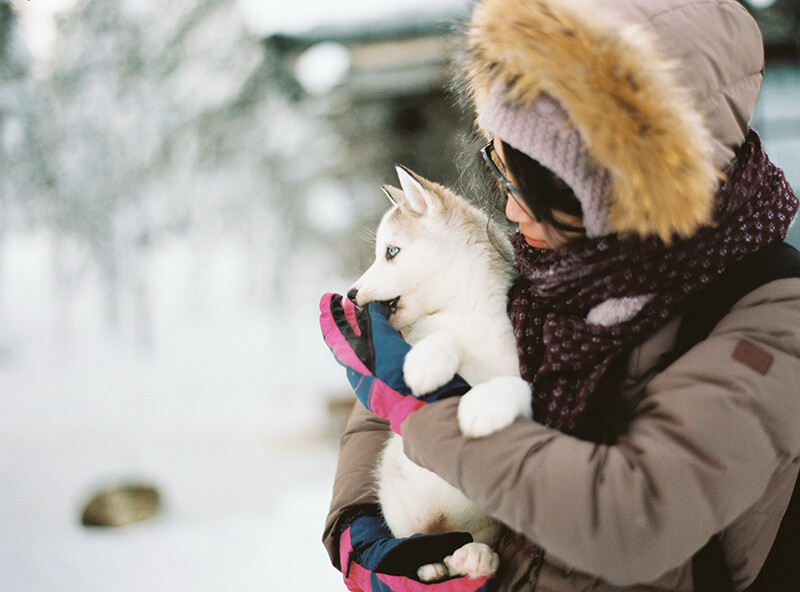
543	132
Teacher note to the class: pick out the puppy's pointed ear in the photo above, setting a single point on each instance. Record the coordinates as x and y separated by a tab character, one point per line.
417	198
393	194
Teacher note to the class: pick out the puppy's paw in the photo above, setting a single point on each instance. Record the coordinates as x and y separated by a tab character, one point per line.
433	572
431	363
493	405
475	560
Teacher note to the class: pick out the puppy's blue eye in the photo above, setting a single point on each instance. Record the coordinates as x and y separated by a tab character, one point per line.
391	252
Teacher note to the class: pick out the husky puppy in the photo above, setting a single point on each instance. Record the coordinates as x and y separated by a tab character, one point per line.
445	272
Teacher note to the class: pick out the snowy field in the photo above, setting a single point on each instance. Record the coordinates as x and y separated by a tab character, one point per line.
225	414
211	390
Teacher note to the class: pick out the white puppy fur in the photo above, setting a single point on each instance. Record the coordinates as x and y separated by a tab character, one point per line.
446	273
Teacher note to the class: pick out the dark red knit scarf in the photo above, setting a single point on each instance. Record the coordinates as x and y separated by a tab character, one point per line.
562	355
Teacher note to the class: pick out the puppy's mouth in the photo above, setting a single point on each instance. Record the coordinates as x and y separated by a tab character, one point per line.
392	304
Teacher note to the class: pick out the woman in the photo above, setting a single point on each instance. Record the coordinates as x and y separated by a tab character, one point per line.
619	130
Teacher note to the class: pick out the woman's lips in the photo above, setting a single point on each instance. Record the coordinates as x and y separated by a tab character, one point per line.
539	244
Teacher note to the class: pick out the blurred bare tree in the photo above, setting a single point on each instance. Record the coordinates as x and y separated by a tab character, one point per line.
165	121
171	119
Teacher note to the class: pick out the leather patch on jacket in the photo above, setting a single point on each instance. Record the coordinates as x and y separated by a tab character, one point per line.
752	356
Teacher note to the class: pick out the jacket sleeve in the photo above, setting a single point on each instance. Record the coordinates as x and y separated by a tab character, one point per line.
354	482
708	435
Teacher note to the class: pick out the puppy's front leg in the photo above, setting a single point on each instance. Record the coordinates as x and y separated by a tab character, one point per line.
432	362
492	405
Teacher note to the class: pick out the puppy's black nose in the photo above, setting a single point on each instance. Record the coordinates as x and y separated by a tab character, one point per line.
351	295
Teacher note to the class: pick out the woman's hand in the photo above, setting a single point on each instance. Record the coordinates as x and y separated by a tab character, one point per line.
372	560
373	353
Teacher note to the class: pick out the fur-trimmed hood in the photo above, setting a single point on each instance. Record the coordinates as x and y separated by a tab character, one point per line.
661	92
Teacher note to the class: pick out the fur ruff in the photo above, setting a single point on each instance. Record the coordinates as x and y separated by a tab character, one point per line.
622	96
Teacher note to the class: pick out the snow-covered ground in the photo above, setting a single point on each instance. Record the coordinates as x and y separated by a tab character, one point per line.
225	414
201	383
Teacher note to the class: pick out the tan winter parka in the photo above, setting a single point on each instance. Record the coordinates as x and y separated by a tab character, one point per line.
714	446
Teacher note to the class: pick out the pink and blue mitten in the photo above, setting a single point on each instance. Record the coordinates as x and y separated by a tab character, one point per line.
373	352
372	560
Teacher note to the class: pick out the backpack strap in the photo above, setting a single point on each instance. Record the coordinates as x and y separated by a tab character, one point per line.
705	308
702	311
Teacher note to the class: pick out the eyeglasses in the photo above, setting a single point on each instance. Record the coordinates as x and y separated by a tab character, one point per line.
498	167
495	165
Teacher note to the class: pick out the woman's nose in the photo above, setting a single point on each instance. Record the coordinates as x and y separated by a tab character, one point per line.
515	213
